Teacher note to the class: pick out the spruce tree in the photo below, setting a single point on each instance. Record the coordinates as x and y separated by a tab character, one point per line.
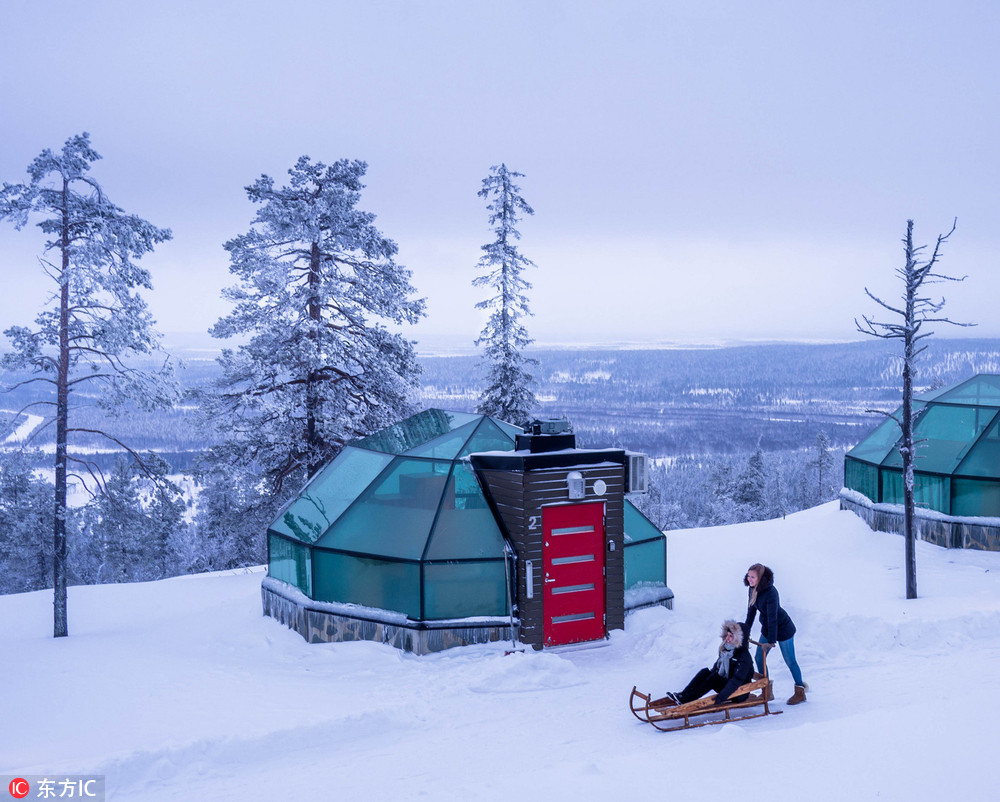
750	490
824	465
318	285
508	394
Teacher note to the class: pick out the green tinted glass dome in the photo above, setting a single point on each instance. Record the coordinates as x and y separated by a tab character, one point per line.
957	468
398	521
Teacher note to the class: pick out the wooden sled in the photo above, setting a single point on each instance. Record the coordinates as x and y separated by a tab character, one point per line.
666	715
641	704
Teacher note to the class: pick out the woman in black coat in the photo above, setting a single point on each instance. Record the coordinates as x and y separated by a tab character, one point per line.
776	626
733	668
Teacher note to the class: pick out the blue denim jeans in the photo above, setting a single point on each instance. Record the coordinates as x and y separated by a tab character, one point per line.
787	648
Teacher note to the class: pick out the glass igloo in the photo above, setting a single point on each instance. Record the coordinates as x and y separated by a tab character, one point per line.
397	530
398	521
957	468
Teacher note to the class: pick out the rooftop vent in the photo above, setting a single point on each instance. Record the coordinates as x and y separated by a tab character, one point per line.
551	426
547	435
636	472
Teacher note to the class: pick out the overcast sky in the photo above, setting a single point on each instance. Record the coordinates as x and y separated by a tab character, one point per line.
700	171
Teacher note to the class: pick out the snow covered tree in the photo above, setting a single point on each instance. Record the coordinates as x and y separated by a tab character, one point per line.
824	465
94	321
721	507
114	527
230	525
750	489
915	311
128	529
25	525
317	287
508	394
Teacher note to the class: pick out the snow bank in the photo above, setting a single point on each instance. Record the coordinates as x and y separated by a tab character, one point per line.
180	689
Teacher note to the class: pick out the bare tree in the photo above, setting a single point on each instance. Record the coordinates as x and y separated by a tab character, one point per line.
916	310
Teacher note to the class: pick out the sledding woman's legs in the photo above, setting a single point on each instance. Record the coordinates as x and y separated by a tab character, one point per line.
703	682
787	648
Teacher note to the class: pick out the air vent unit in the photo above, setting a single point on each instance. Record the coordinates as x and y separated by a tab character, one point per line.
636	472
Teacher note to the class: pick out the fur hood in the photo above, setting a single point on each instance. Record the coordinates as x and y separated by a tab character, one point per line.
737	629
766	577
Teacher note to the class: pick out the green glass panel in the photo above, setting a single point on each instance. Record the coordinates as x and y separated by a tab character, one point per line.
367	582
931	492
393	517
415	430
446	446
637	526
645	563
975	497
943	435
463	590
983	389
861	477
984	457
488	437
508	428
932	395
289	562
465	526
880	443
329	493
892	486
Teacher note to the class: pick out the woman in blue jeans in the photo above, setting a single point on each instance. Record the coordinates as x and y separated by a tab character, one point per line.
776	626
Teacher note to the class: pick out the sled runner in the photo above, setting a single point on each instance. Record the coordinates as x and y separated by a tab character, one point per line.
666	715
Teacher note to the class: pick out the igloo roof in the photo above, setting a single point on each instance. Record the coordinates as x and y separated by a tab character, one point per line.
404	493
959	430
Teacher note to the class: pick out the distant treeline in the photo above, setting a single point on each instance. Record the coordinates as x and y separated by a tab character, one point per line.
664	402
726	400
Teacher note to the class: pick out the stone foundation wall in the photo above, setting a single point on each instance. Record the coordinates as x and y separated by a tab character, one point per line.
943	531
323	626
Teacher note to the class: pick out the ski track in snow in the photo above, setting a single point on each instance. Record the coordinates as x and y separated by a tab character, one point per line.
24	430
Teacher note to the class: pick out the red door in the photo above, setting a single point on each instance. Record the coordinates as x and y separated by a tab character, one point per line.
573	559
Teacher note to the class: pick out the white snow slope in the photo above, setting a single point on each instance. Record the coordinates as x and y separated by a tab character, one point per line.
180	689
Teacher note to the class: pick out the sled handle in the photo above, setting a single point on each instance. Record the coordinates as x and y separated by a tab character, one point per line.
763	653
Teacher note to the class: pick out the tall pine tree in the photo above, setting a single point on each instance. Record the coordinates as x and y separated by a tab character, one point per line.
508	394
318	285
94	321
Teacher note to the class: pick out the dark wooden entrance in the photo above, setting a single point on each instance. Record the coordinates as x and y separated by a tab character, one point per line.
573	561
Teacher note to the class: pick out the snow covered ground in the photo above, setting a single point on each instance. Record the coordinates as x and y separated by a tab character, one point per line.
180	689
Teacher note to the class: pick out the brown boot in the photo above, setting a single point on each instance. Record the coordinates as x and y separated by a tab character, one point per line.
797	697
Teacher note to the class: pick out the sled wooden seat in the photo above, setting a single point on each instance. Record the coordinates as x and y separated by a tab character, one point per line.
666	715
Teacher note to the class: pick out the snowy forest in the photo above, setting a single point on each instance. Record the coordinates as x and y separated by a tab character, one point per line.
165	464
734	434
